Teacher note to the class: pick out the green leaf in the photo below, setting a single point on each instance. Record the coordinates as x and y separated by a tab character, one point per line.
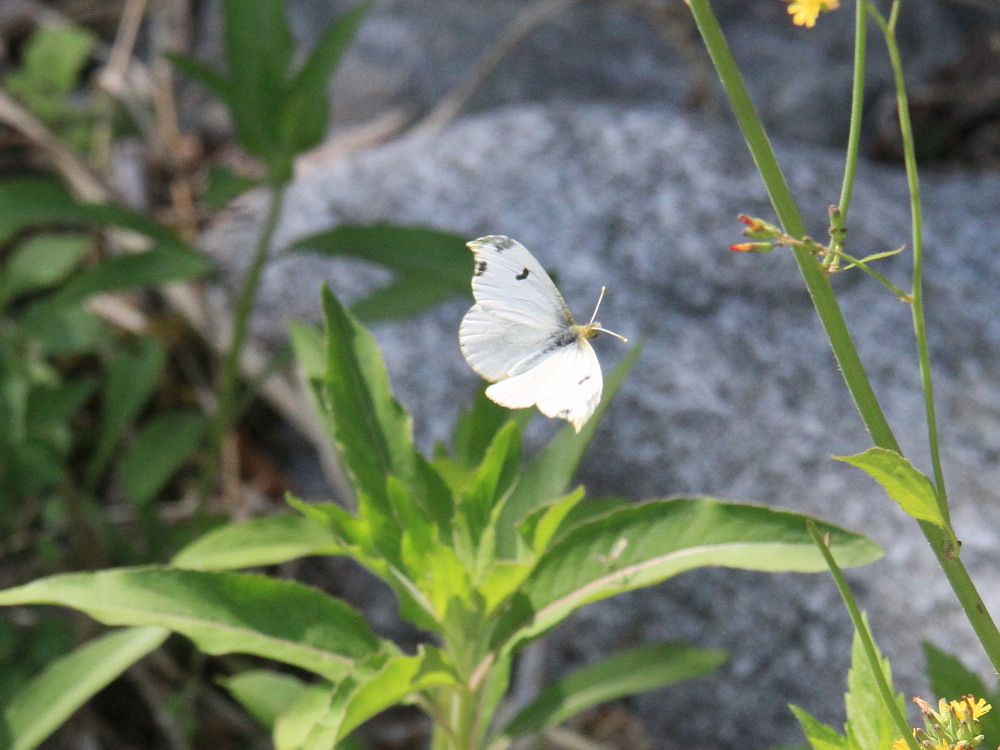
628	672
431	265
53	59
158	266
401	677
132	376
40	262
549	473
259	48
215	83
646	543
821	736
69	681
903	482
307	111
164	444
373	432
951	679
221	612
869	723
31	202
262	541
62	329
264	693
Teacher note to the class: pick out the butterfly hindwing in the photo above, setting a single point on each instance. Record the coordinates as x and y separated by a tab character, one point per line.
565	383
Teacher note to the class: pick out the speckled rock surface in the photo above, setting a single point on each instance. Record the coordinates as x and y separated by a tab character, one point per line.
736	393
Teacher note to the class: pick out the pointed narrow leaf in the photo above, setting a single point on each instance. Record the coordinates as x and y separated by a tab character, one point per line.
261	541
42	261
221	612
164	444
628	672
52	697
549	473
215	83
401	677
648	542
307	111
373	432
264	693
869	723
439	257
131	378
901	480
821	736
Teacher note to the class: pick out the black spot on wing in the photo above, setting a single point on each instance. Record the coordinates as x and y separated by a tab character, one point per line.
523	275
480	268
585	379
502	243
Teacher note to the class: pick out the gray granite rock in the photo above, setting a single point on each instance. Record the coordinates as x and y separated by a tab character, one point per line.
736	393
635	52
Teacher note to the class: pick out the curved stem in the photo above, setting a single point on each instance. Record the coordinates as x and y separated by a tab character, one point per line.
229	378
829	311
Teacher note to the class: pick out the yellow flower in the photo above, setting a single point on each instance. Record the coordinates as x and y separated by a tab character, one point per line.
804	12
970	706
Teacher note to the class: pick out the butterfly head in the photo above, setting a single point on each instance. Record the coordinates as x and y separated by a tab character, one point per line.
593	328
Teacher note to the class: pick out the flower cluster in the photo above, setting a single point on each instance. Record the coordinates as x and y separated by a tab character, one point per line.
954	726
804	12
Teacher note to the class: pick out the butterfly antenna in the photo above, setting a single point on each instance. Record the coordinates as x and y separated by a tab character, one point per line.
597	327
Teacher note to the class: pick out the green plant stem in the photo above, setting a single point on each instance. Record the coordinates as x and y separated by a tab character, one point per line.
857	109
229	378
867	643
830	315
917	232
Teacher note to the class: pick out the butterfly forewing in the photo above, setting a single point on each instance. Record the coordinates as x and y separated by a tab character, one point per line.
510	283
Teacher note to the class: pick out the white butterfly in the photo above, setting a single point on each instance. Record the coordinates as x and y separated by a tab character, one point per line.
521	336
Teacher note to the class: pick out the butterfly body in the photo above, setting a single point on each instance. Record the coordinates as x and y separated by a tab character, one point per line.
521	336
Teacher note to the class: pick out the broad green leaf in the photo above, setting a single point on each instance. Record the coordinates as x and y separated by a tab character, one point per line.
63	329
401	677
309	346
53	58
307	111
951	679
40	262
293	726
402	298
159	266
264	693
869	723
48	407
549	473
164	444
901	480
431	265
262	541
821	736
31	202
259	48
628	672
69	681
215	83
646	543
373	432
132	376
221	612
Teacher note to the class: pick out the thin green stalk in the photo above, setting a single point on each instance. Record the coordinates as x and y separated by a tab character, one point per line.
867	643
857	108
229	378
788	214
917	232
830	315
